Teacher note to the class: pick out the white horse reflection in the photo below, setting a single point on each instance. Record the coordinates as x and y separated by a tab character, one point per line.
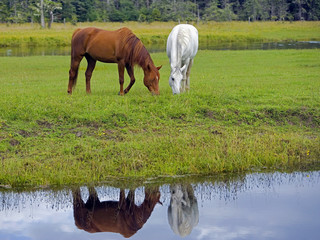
183	213
182	47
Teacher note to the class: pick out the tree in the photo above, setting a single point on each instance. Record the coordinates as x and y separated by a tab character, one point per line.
282	9
19	11
128	11
114	14
43	25
4	11
314	10
253	9
68	11
166	9
85	10
47	9
212	11
50	7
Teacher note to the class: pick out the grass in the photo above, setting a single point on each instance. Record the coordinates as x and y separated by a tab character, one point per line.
247	110
157	33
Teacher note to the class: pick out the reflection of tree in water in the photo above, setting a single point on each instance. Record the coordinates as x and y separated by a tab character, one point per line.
11	200
228	187
123	216
183	212
224	187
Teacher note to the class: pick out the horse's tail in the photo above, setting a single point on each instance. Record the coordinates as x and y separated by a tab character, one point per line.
73	73
73	42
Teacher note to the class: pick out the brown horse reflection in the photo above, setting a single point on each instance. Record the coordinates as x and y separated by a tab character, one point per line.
121	47
122	216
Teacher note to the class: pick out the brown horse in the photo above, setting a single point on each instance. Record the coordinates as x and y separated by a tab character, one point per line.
122	216
121	47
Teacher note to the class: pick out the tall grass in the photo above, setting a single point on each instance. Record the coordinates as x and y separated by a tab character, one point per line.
157	33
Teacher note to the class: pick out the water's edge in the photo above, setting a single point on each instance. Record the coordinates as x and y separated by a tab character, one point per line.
65	51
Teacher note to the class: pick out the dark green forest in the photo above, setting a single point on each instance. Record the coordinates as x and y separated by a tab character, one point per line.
48	11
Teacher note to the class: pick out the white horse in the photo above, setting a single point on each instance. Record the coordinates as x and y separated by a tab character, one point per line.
182	47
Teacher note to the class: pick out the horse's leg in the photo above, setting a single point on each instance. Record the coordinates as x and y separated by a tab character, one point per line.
93	199
188	75
132	79
121	77
183	85
122	199
80	212
90	68
73	72
130	197
131	208
77	200
184	77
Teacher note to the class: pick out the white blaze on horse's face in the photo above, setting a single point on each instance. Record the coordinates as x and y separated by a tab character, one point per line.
175	79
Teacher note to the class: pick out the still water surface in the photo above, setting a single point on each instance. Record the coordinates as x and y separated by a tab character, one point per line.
254	206
51	51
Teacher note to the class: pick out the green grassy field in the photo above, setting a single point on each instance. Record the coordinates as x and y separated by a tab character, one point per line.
157	33
247	110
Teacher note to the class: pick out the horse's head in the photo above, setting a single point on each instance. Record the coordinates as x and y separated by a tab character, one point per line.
151	78
175	79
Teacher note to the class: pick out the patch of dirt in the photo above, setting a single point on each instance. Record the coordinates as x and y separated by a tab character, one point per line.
112	135
24	133
3	125
14	142
44	123
79	134
178	116
210	114
93	124
215	131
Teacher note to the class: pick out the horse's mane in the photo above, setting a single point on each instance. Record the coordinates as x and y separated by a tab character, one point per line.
135	51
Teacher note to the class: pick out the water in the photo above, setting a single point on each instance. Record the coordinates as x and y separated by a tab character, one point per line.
34	51
266	46
254	206
47	51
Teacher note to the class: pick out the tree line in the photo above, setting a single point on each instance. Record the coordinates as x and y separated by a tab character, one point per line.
48	11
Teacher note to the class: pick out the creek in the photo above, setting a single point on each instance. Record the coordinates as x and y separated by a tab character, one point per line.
49	51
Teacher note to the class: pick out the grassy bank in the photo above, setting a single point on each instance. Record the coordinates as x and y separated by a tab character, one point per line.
246	110
157	33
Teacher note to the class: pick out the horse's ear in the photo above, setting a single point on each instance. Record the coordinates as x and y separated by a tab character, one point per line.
183	68
159	67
